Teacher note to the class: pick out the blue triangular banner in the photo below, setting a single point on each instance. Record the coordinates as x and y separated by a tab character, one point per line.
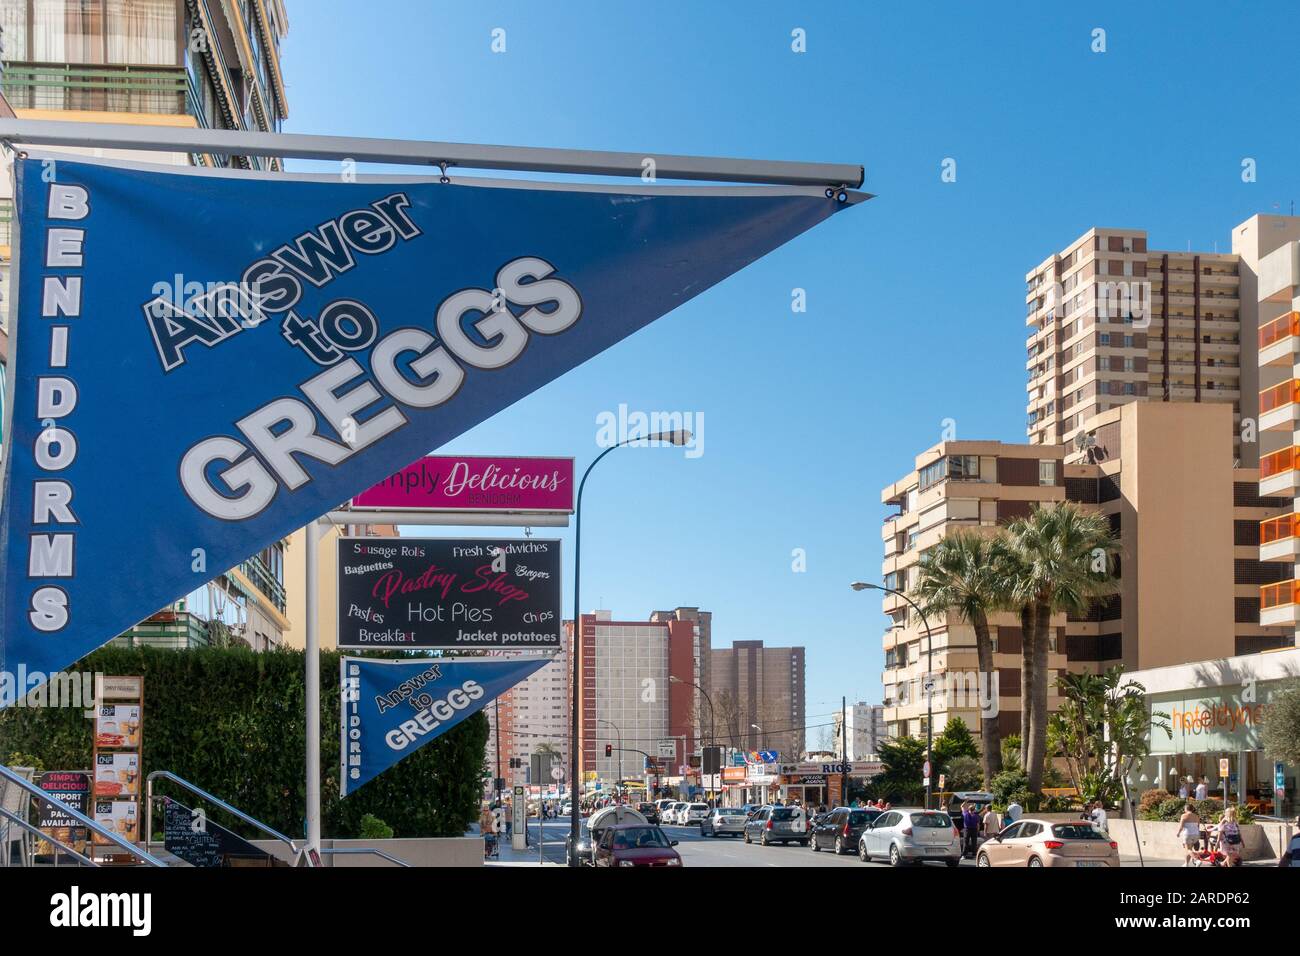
390	709
205	360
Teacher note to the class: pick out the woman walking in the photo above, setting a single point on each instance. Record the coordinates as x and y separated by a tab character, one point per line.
1189	828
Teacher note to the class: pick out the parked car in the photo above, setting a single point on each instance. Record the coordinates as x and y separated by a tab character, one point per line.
650	811
664	804
1036	843
693	814
840	829
777	825
911	836
635	844
723	820
567	809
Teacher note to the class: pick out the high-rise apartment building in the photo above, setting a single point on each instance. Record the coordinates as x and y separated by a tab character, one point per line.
1113	322
866	730
975	485
210	64
534	718
759	693
637	692
1271	245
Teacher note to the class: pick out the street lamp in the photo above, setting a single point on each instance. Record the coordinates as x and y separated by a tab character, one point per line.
927	685
673	438
713	727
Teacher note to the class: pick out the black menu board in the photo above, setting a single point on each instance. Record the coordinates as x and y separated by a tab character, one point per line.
477	593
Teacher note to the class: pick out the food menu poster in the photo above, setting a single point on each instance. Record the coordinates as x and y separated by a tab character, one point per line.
118	725
117	775
120	816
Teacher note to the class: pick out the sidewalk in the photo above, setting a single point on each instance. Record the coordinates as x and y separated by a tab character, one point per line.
509	856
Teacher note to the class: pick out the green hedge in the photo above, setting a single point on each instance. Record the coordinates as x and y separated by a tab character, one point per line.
231	721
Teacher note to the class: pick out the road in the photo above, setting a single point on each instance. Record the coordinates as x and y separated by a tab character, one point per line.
716	851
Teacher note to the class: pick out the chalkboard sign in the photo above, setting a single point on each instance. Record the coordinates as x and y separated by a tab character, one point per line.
200	842
445	593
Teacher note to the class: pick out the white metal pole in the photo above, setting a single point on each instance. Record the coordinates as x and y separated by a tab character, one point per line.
423	153
312	682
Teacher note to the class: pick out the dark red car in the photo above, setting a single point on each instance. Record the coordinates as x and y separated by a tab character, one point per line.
636	844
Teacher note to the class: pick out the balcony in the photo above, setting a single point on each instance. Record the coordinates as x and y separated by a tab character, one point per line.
1277	472
1279	340
1277	603
1278	540
98	87
1278	408
6	226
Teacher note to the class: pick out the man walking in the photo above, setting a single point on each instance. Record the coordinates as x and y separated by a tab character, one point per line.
971	829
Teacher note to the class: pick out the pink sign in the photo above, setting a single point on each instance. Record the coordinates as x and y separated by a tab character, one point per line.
474	483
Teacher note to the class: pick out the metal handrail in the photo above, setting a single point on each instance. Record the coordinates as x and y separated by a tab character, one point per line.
359	850
37	831
298	851
144	856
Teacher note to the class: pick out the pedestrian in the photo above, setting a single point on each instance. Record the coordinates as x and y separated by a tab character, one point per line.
1202	789
971	819
487	825
1189	828
1230	836
992	823
1291	855
1099	818
1014	812
1183	792
507	813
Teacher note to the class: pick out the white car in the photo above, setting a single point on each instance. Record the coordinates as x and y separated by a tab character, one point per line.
663	807
566	810
911	836
675	814
694	814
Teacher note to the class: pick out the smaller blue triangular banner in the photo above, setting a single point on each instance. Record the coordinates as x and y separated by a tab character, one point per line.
390	709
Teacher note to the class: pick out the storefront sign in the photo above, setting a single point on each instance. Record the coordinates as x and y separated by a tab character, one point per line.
365	321
70	788
390	709
733	774
475	483
479	593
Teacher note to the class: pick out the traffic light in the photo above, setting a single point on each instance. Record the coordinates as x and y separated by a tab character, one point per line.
609	750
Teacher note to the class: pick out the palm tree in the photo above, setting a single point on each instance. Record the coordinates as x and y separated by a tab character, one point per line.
1059	561
962	574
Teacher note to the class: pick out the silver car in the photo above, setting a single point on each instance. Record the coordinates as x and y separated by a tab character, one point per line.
723	820
911	836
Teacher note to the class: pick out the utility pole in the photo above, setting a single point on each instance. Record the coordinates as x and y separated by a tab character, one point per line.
844	752
497	720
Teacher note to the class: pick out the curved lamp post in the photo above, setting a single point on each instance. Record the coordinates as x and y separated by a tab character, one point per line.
673	438
929	665
713	725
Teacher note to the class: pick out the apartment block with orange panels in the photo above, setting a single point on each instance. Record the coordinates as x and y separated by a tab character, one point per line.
1274	246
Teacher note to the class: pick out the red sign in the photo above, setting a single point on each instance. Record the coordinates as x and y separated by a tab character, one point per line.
475	483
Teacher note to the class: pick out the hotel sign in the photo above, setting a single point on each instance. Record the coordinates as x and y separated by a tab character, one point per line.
1218	720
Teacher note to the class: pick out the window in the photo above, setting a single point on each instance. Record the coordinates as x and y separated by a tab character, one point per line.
1047	472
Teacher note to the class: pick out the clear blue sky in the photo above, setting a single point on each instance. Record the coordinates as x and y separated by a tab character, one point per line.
915	299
